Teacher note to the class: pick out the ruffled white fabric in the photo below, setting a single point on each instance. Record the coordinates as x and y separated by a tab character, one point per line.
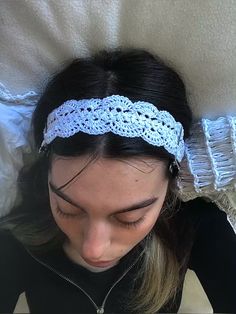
15	140
208	168
211	156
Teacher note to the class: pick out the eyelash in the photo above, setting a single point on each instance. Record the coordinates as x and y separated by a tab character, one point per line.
61	213
131	224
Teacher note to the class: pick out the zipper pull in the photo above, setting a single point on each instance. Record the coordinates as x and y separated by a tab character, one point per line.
100	310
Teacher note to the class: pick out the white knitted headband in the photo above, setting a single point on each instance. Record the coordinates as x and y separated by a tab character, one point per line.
119	115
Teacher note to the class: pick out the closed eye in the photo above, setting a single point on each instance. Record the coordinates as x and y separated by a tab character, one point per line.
126	224
139	205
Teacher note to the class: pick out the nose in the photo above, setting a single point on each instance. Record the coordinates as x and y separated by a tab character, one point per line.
96	242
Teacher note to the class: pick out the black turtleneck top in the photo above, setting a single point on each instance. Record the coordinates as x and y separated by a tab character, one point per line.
54	284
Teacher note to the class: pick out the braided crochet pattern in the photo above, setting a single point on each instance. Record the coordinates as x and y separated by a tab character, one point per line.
208	168
119	115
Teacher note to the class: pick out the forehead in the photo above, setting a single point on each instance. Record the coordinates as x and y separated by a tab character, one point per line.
129	170
108	183
106	175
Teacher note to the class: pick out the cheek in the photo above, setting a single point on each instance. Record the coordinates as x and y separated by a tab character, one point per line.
62	223
150	221
134	235
70	227
66	225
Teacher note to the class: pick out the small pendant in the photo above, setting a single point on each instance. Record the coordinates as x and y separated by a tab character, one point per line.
100	311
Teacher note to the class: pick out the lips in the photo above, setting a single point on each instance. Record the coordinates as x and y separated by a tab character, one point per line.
101	263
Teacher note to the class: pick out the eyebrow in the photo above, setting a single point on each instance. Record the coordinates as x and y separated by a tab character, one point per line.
139	205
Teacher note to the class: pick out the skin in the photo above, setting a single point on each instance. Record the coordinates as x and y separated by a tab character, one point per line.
103	188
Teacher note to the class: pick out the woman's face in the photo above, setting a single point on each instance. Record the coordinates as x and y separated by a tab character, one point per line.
111	205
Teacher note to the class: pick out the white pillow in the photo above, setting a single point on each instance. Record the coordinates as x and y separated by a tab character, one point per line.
196	37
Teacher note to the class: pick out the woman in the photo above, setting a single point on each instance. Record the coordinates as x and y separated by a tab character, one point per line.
100	228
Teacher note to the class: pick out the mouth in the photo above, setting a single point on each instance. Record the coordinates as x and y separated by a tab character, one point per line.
101	263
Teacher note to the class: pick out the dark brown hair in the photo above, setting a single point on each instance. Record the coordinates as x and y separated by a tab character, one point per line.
134	73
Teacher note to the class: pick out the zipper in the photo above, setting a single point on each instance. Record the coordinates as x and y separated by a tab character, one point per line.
116	282
66	278
99	309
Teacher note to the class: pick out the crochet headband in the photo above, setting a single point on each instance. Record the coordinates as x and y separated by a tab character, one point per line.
119	115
